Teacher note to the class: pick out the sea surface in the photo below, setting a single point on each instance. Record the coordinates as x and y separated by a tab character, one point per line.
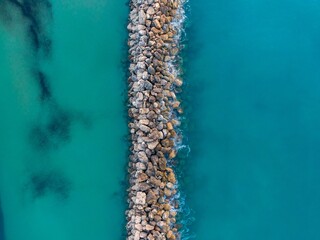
252	96
250	164
63	147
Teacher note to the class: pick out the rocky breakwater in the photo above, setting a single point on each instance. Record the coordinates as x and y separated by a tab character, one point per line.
154	33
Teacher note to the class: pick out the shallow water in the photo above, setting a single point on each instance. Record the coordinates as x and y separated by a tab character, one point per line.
252	71
63	151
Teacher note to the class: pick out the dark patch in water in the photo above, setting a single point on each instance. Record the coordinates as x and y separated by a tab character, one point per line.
44	87
39	138
1	224
49	183
60	125
52	133
31	10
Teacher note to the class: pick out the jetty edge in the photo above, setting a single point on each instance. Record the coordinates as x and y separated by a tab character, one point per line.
154	37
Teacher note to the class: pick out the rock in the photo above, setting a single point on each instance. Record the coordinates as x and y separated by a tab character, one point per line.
137	235
150	11
142	156
169	126
174	51
151	70
141	198
140	166
170	185
178	82
155	182
170	235
172	178
138	227
138	86
148	85
144	121
161	224
165	215
151	197
143	111
172	154
156	23
144	128
143	187
167	192
142	177
176	104
166	207
142	17
153	145
149	227
159	57
151	237
162	164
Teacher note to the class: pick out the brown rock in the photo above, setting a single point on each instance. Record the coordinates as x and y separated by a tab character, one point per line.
172	154
172	177
157	24
143	187
169	126
151	197
142	177
162	164
142	156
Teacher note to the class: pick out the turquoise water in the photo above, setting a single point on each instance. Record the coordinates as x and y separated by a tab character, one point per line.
253	74
63	159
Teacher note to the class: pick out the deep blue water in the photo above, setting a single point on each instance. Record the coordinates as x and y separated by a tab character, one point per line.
253	110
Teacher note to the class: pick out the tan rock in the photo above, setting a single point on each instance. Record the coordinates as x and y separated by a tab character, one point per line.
153	145
156	23
141	198
149	227
169	126
172	154
172	177
150	11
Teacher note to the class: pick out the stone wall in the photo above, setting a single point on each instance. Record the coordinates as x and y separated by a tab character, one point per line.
153	108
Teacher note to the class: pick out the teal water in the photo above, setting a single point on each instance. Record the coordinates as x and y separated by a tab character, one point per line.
252	74
63	159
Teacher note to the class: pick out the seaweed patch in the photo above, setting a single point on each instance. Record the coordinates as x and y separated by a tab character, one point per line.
49	183
33	11
44	87
53	132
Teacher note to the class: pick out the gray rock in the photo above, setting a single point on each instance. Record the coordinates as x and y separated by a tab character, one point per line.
151	70
142	17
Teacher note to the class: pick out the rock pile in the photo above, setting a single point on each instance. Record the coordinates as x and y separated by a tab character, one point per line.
153	48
